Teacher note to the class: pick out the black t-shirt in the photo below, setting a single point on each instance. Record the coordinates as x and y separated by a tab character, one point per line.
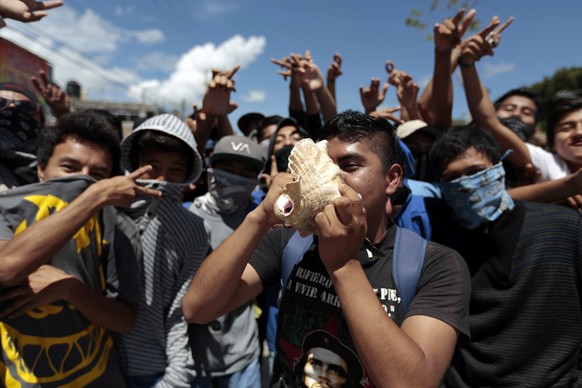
310	304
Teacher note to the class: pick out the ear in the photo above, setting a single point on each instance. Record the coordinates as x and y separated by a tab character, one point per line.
394	176
40	172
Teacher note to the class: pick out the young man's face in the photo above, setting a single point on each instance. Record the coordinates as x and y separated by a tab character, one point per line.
236	167
287	135
324	368
362	171
568	137
468	163
520	106
77	157
166	166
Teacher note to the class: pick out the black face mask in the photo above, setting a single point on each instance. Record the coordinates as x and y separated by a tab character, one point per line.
521	129
18	131
282	157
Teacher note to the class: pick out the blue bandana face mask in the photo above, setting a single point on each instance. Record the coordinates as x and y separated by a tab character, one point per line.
478	198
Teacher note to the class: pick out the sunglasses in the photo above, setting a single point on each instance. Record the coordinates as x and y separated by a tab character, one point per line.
23	105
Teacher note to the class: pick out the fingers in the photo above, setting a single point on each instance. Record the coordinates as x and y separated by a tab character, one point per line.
48	4
466	23
458	17
389	67
492	25
147	192
351	194
282	63
337	58
385	88
274	170
232	72
140	172
504	25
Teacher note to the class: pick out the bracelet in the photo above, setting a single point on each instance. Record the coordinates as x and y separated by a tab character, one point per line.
463	64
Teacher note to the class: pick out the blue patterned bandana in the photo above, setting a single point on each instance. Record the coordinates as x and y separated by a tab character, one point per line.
478	198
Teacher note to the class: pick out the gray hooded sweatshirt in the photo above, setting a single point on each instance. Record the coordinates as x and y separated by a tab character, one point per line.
174	243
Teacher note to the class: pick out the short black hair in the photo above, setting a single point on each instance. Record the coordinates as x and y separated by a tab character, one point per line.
87	126
523	93
457	140
377	133
559	110
148	139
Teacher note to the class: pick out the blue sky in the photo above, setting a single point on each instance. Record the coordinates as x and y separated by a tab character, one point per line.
162	50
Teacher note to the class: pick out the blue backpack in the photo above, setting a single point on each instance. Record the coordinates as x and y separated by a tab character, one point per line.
407	261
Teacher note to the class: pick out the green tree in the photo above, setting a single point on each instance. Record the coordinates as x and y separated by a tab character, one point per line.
417	20
564	83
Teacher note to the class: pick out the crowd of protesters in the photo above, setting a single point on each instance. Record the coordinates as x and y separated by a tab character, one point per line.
451	255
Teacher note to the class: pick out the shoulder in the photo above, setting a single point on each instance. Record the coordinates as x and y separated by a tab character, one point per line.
544	218
550	164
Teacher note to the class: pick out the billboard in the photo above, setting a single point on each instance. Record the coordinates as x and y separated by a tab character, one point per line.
18	65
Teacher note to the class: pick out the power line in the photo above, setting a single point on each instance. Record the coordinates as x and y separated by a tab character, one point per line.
92	69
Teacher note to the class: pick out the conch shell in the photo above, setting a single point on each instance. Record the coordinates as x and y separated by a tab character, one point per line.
315	184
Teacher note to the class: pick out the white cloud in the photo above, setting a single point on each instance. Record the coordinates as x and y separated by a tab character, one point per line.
90	33
151	36
491	70
210	8
85	36
156	61
255	96
188	81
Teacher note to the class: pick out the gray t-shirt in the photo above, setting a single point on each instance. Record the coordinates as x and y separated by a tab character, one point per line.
229	343
55	345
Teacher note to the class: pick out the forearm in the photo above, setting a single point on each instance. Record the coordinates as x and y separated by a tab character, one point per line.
442	90
390	356
326	104
224	127
410	112
484	115
203	130
214	290
311	105
547	192
331	89
38	243
295	103
111	314
179	370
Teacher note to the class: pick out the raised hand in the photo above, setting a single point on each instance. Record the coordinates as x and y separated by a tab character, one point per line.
388	114
373	96
335	68
122	191
477	46
26	11
494	37
448	34
406	89
56	98
216	101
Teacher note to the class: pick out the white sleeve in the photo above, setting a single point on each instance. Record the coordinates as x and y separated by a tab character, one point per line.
551	166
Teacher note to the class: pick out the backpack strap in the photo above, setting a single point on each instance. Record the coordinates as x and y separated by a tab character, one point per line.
407	261
292	254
